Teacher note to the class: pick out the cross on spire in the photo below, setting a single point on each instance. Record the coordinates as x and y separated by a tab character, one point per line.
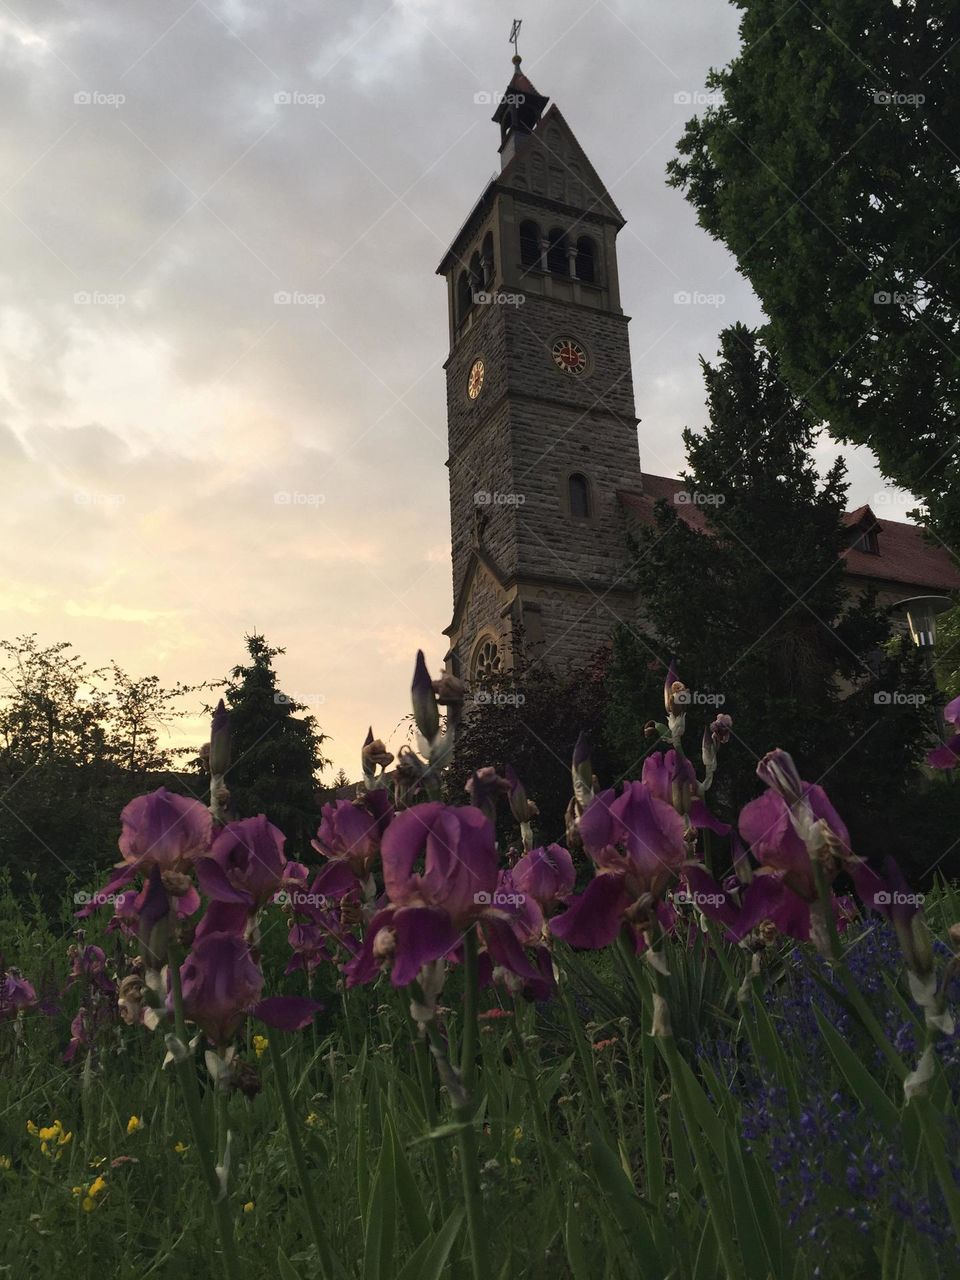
515	38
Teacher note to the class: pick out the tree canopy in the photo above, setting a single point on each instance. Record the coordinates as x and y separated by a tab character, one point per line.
829	169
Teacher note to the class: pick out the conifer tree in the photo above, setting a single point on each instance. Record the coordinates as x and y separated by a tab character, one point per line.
748	593
275	752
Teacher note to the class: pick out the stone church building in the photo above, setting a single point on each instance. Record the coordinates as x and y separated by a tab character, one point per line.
545	473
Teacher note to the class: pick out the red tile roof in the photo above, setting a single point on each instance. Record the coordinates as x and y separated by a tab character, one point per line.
905	555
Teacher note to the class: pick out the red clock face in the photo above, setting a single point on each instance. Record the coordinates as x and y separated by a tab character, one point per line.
569	356
475	380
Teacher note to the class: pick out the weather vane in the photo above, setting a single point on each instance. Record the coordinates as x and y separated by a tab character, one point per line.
515	36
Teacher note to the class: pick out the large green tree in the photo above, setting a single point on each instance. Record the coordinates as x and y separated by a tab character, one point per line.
749	595
829	169
76	743
276	753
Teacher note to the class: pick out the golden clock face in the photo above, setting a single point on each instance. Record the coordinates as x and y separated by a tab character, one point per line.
569	356
475	380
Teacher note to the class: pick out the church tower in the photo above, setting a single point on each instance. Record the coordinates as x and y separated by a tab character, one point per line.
541	424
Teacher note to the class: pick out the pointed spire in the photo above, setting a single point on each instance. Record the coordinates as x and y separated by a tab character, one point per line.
518	112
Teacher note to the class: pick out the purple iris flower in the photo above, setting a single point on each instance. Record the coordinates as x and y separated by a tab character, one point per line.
222	985
546	875
778	824
351	831
948	755
429	909
16	993
245	865
672	778
160	829
637	843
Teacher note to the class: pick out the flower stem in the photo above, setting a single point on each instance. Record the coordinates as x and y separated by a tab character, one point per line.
324	1256
465	1114
186	1075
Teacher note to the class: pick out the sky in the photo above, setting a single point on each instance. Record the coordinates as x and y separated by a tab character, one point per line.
184	458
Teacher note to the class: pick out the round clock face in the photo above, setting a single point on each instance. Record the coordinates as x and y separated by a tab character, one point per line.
475	380
569	356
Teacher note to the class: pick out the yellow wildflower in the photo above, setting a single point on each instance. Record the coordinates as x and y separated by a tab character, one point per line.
248	1207
260	1045
32	1128
518	1133
49	1132
90	1193
6	1162
133	1124
180	1148
311	1120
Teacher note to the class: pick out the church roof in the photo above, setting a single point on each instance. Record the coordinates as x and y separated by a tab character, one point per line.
904	554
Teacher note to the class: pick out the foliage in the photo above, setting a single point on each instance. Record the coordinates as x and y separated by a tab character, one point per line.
76	743
828	171
277	753
531	718
769	633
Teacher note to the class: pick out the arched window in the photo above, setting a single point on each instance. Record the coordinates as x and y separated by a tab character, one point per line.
586	260
464	297
557	253
578	493
476	274
486	255
529	244
486	659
